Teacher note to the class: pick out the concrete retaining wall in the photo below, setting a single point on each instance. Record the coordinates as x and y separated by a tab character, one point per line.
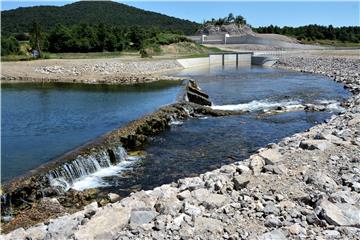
243	59
193	62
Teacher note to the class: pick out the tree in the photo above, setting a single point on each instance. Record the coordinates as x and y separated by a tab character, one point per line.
36	36
9	46
230	18
240	20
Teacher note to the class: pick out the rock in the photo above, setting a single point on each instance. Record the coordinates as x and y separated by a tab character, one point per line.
271	156
201	195
273	235
270	208
7	219
176	223
331	234
322	181
190	183
62	228
191	210
339	214
241	181
296	229
139	217
214	201
37	232
321	145
113	197
184	195
19	233
272	221
208	225
105	224
242	169
346	197
256	164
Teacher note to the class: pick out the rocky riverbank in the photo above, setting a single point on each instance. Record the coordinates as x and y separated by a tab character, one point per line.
305	186
92	71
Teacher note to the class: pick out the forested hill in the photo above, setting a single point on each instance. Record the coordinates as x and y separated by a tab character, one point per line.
110	13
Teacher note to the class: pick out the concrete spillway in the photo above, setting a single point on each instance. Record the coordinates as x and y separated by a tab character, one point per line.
227	58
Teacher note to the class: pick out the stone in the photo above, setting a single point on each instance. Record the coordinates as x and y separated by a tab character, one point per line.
191	210
256	164
242	169
201	194
105	224
241	181
322	181
139	217
176	223
331	234
271	156
273	235
270	208
19	233
208	225
190	183
113	197
339	214
295	229
214	201
321	145
37	233
272	221
62	227
184	195
346	197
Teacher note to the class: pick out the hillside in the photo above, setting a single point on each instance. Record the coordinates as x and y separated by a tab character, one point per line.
110	13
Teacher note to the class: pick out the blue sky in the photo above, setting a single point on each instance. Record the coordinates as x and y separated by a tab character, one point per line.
257	13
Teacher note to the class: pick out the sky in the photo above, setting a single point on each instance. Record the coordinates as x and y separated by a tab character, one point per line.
281	13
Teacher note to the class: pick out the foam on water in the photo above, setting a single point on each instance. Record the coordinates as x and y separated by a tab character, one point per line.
88	171
95	180
290	105
261	105
332	106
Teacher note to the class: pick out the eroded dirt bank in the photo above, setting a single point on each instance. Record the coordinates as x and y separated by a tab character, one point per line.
305	186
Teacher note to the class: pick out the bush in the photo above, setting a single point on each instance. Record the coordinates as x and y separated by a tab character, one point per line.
9	46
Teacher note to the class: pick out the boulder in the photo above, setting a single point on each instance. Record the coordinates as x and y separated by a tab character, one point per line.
273	235
241	181
139	217
214	201
208	225
113	197
256	164
321	145
105	224
339	214
271	156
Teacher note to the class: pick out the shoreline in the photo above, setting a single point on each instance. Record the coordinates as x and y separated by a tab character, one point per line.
243	199
89	71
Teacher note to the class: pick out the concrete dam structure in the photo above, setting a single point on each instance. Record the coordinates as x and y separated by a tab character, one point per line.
229	58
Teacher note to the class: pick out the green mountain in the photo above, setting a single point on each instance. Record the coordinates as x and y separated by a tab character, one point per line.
110	13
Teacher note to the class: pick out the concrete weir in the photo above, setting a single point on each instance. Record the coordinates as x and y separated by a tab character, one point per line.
225	58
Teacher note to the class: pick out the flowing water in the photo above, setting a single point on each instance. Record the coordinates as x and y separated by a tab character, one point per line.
43	121
201	144
188	148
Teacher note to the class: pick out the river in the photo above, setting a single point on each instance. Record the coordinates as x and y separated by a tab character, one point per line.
42	122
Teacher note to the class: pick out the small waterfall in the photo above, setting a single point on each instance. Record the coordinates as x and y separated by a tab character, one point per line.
63	177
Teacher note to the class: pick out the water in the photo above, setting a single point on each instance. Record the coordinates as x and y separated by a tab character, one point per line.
199	145
43	121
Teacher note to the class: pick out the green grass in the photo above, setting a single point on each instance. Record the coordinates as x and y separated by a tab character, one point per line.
190	52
